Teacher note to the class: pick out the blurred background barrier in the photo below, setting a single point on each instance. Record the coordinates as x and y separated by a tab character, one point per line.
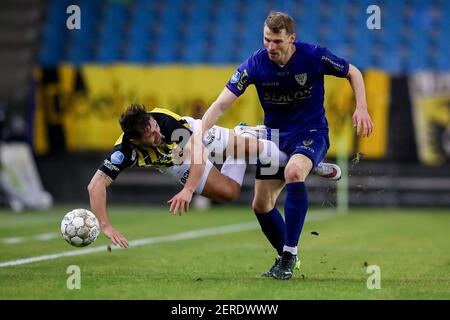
62	90
19	179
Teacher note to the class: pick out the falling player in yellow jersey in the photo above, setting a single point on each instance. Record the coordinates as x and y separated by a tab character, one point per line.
164	140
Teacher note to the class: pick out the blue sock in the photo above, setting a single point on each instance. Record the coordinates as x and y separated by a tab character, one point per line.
295	211
273	226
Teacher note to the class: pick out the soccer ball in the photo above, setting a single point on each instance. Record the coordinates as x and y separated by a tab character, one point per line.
80	227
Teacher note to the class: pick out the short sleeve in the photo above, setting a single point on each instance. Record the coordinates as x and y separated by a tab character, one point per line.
332	64
121	157
241	79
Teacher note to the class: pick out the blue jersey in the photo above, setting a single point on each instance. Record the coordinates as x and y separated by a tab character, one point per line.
292	96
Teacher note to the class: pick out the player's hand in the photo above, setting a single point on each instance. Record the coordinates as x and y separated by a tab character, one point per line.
362	121
180	202
115	236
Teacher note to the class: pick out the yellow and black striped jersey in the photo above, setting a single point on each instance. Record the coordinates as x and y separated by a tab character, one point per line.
125	154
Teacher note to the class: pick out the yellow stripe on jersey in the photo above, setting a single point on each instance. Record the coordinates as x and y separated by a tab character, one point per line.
172	114
119	140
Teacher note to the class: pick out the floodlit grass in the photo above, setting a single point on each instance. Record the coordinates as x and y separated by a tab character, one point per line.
411	247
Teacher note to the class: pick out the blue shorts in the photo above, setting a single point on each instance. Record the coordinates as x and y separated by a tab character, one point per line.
313	145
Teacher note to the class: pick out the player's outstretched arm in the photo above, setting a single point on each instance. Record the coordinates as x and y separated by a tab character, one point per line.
361	118
198	156
97	197
217	108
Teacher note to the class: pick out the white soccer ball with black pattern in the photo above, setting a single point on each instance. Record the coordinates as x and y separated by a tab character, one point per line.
80	227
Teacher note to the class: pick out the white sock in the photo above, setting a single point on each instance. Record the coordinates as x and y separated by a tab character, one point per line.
292	250
234	169
271	154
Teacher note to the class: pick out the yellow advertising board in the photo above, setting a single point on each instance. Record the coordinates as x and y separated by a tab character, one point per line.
89	112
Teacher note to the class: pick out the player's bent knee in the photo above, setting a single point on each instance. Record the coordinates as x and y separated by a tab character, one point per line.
294	173
262	205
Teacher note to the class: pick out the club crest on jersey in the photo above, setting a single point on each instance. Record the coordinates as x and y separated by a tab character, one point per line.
117	157
301	78
308	142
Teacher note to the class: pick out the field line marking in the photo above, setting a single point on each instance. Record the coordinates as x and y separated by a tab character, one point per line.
232	228
13	240
40	237
46	236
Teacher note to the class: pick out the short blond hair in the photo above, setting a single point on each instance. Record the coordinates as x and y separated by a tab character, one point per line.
277	21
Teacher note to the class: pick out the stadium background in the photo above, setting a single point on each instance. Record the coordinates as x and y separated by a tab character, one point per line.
62	90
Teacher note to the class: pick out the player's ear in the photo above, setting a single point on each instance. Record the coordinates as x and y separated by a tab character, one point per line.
292	37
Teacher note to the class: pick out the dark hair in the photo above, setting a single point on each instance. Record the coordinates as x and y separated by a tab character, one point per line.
277	21
134	119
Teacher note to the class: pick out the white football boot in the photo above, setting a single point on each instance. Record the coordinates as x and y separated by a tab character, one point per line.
327	170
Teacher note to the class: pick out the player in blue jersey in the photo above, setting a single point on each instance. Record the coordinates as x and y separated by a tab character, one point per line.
289	78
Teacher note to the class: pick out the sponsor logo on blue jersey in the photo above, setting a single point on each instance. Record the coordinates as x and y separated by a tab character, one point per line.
235	78
285	98
243	80
117	157
335	65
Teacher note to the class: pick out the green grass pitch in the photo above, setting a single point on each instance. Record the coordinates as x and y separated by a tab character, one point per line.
411	248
